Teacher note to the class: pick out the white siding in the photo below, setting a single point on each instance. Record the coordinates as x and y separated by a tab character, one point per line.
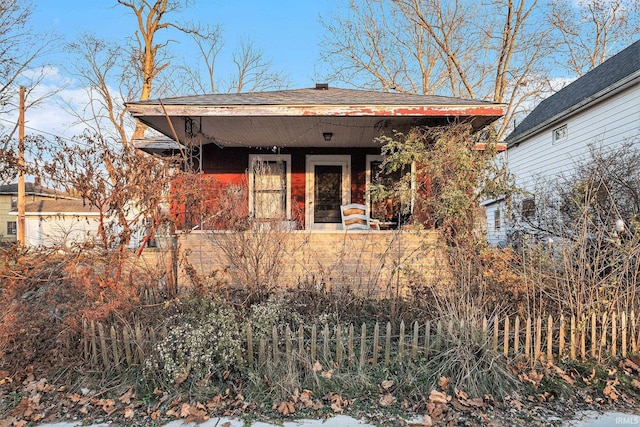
609	124
65	230
496	236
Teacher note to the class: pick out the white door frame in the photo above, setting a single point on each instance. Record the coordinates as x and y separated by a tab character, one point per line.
312	160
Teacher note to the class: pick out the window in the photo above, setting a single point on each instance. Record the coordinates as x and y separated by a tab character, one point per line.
14	202
12	228
496	219
560	134
388	192
270	186
528	209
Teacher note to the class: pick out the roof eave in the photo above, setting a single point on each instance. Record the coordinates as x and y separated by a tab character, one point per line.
598	97
490	110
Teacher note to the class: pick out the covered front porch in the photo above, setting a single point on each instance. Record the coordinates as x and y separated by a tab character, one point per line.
297	155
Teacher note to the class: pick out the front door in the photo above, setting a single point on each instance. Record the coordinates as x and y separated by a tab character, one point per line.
328	185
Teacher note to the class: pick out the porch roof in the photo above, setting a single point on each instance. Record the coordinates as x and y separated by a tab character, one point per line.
304	117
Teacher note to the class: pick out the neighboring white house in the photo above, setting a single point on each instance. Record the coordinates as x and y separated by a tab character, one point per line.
600	108
62	222
59	222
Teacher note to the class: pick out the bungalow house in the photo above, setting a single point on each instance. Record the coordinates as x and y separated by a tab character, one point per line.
601	108
322	141
316	149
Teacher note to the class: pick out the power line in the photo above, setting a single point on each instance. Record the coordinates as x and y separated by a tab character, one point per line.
66	138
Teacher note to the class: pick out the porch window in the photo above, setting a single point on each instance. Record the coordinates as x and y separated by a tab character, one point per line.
270	186
389	192
14	203
496	220
12	228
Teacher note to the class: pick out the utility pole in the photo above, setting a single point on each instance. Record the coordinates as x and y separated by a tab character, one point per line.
21	189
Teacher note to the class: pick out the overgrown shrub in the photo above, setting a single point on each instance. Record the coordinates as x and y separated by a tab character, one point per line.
45	295
202	343
276	311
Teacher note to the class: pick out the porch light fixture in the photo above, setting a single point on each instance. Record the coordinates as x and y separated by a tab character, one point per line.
327	136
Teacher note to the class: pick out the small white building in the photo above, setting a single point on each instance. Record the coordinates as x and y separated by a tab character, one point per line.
64	223
60	222
601	108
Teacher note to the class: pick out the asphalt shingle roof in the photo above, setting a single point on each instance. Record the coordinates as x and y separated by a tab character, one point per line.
31	189
611	73
312	96
59	206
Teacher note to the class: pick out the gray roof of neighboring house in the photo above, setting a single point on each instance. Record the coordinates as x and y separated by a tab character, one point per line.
315	96
59	206
613	73
31	189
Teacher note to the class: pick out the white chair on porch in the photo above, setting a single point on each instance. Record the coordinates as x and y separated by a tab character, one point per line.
355	217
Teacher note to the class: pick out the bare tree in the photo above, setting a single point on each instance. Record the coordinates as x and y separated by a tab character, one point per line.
493	50
376	45
590	30
253	72
22	52
147	52
98	64
208	41
20	47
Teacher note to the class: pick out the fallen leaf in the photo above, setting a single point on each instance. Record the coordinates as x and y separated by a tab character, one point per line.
317	366
460	394
387	400
126	398
628	363
443	382
562	374
327	374
610	390
128	413
386	384
305	398
476	402
180	378
286	408
438	397
184	410
516	404
532	377
337	408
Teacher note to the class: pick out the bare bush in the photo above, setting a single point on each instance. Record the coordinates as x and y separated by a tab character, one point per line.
580	250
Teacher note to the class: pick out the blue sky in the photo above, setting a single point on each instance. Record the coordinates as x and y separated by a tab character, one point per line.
288	31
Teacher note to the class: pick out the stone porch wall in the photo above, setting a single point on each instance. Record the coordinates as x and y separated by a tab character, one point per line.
373	263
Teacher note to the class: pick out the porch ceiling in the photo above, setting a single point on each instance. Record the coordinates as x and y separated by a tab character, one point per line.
286	131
